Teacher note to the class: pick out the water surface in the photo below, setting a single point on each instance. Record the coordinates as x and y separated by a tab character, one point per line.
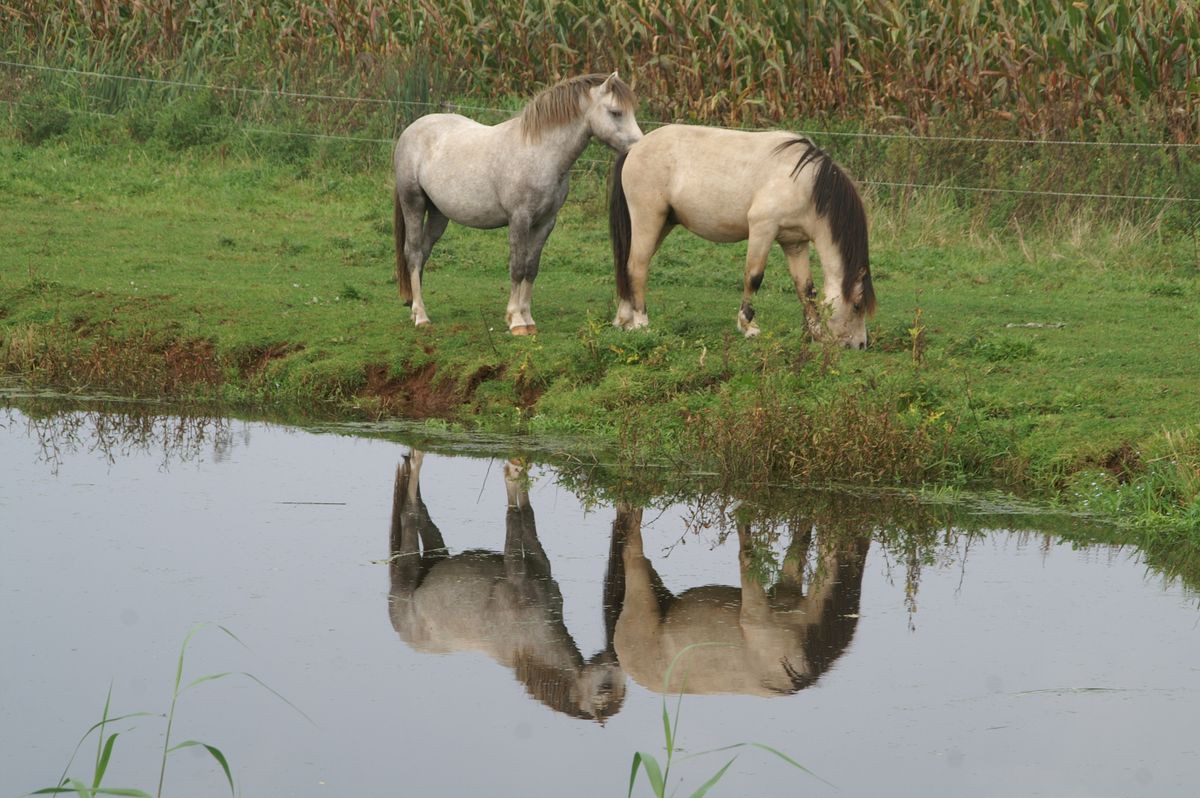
497	635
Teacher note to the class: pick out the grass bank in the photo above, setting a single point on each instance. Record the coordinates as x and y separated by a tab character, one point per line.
1056	359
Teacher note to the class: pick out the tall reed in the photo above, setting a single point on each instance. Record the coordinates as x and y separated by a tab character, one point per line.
1039	66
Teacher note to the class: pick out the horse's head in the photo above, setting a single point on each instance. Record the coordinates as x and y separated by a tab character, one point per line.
593	690
610	115
848	316
600	689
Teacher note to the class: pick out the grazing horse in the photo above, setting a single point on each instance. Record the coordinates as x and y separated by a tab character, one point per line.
732	185
506	605
768	642
449	167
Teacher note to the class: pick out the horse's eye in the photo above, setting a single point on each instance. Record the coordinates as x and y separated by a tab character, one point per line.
616	114
858	307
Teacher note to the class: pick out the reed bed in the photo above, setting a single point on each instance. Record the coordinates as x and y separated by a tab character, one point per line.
1038	67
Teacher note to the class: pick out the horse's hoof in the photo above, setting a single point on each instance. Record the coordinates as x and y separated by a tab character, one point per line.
750	332
523	329
424	323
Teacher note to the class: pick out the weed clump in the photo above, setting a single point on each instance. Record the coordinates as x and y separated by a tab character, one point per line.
192	121
41	118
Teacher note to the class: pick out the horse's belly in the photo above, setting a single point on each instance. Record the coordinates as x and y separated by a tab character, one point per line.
467	202
717	230
706	205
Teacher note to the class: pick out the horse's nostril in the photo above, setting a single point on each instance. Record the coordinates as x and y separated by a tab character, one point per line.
862	344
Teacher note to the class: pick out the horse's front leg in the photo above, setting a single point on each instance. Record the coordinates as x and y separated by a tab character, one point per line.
798	265
526	238
759	246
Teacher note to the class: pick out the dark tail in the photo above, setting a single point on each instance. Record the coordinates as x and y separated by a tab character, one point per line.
614	575
619	228
828	638
403	281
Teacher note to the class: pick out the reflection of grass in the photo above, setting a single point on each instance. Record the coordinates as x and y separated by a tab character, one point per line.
658	775
105	745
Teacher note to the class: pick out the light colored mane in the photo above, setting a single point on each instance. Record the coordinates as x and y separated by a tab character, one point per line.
562	103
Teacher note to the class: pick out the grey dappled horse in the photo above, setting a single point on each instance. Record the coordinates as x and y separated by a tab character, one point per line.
733	185
768	641
449	167
506	605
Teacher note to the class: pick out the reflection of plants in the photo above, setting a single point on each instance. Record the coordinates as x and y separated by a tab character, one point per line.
104	745
119	430
659	774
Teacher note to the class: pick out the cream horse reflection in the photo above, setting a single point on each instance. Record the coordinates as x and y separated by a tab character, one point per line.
506	605
768	641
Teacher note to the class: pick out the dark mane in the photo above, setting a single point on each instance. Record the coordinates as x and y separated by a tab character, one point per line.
837	199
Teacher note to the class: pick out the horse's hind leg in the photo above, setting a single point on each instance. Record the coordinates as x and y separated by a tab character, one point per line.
404	565
412	206
759	246
648	229
435	226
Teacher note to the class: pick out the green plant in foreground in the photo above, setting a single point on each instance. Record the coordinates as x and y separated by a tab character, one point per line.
659	774
104	745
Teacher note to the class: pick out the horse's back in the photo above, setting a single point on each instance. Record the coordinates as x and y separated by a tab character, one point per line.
710	178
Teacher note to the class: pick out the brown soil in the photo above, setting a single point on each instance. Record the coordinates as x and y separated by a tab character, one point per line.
420	394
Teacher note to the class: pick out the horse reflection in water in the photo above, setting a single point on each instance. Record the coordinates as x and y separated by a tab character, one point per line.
772	641
506	605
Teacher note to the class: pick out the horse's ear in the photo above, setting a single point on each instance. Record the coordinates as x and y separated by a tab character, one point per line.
607	85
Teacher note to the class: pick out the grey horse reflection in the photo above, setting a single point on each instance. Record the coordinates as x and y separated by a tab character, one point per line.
504	604
769	641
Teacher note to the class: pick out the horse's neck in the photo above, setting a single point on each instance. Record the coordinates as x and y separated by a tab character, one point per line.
832	266
558	148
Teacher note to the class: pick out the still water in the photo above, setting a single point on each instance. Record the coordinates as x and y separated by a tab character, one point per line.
458	625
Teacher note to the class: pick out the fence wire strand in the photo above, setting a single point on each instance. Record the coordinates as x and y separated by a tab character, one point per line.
647	123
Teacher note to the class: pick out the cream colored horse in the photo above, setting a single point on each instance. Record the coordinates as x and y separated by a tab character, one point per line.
732	185
513	174
767	642
506	605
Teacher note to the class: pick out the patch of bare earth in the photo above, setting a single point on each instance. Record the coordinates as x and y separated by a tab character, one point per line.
420	394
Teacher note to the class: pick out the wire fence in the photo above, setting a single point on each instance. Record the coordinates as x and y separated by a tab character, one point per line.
444	105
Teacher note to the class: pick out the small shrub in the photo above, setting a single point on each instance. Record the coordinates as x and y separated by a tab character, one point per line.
42	119
994	348
192	121
351	294
140	124
289	146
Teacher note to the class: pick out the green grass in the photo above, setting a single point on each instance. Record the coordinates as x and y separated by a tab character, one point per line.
257	278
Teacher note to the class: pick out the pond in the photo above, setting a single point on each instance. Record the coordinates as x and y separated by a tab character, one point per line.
457	625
